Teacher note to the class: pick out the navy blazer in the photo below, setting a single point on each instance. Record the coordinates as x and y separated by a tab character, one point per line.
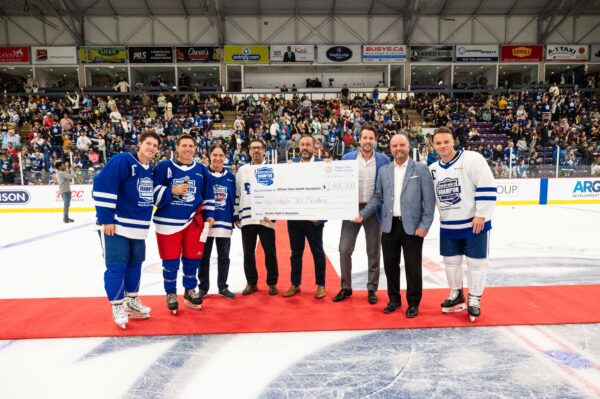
317	159
380	160
417	200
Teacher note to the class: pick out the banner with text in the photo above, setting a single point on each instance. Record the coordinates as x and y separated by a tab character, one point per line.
585	190
198	54
292	53
44	198
595	53
526	52
384	53
150	55
246	54
566	52
431	53
346	54
54	55
103	55
14	55
477	53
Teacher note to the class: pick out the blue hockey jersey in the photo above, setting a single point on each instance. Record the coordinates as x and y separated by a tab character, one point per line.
122	195
223	186
175	213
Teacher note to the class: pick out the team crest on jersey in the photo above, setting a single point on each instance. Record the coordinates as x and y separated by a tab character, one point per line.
448	191
264	175
191	191
145	189
220	195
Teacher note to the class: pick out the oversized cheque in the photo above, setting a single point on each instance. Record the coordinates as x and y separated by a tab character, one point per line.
305	191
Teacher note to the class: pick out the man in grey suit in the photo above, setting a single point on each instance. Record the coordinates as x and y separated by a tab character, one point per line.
405	194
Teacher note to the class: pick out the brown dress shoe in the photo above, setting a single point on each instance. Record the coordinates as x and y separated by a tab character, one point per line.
273	290
249	289
320	293
293	290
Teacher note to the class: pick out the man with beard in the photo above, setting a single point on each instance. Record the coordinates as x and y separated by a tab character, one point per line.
369	164
311	230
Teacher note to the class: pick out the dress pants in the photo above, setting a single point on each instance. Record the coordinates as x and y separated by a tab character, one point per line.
298	231
392	244
267	239
223	261
348	236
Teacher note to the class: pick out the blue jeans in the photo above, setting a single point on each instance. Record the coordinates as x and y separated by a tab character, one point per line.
66	204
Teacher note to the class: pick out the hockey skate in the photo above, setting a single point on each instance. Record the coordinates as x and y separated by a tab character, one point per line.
455	302
192	299
172	303
119	315
135	308
474	309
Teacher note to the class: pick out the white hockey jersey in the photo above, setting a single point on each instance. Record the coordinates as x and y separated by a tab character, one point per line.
464	188
243	199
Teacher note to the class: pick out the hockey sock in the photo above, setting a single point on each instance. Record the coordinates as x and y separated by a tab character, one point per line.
170	268
454	271
132	277
114	277
476	275
190	270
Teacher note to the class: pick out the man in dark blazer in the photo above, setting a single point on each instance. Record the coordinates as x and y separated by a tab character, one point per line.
405	194
289	55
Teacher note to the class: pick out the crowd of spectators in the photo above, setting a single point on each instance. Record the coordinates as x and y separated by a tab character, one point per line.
523	130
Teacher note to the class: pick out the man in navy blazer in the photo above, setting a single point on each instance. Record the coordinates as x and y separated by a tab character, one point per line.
311	230
369	164
405	195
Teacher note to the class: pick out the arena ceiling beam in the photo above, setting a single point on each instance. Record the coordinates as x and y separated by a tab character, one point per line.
73	27
412	15
575	10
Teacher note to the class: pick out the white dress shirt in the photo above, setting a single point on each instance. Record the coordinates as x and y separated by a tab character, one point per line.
366	178
399	172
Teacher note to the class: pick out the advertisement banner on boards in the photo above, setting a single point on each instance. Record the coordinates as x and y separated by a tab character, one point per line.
246	54
198	54
292	53
338	54
523	53
384	53
431	53
43	198
14	55
595	53
567	52
477	53
66	55
103	55
584	190
150	55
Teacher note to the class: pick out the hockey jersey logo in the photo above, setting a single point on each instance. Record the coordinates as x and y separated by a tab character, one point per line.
220	195
448	191
191	191
265	175
145	189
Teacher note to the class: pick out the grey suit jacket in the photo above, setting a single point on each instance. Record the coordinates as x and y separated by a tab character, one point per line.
417	201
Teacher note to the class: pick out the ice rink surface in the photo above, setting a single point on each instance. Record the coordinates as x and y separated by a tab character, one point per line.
41	257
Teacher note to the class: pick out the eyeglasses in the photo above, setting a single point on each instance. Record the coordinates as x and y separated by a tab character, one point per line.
256	148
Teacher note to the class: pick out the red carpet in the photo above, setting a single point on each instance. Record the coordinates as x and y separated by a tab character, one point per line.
90	317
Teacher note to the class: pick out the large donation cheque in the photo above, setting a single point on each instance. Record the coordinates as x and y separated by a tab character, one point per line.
305	191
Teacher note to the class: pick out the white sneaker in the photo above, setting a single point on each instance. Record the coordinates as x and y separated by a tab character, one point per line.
135	308
119	315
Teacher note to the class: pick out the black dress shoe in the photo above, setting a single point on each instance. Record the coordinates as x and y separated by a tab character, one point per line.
412	311
226	293
202	292
343	294
372	298
391	307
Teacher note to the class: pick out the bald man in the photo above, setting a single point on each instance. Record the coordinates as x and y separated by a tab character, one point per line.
404	192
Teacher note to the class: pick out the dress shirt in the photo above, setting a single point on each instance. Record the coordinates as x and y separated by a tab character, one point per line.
366	178
399	172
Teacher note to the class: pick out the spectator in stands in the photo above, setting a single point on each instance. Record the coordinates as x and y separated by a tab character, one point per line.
74	101
7	169
10	137
596	167
122	86
83	142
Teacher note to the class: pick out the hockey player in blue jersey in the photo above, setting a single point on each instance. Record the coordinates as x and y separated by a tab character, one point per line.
223	186
466	198
123	198
183	196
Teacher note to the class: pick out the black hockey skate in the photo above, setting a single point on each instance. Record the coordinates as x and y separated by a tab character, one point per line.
455	302
192	299
172	303
474	309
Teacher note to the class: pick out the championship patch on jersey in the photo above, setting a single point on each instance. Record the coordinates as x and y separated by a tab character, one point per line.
265	175
220	195
191	191
448	191
145	189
